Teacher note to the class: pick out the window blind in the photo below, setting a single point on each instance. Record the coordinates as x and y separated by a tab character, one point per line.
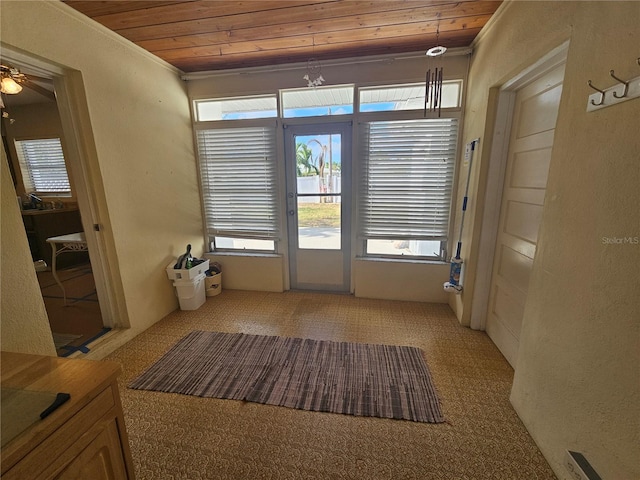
42	166
239	182
407	178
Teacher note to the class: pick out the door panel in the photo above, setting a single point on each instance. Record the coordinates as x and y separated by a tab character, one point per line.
319	205
531	141
312	268
539	109
530	168
523	220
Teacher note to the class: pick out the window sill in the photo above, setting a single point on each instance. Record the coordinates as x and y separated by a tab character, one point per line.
241	253
421	261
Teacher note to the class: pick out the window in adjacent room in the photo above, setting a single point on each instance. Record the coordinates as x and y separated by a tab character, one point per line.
43	168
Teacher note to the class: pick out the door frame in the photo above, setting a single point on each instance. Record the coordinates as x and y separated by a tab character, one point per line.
82	162
504	100
328	127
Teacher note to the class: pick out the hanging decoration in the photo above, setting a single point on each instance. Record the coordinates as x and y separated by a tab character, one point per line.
314	76
433	81
314	73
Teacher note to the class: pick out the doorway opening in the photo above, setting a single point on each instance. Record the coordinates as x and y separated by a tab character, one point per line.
54	214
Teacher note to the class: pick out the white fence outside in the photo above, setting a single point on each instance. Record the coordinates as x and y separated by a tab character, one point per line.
313	185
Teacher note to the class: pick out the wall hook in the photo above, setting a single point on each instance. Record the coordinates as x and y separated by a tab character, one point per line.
626	86
597	90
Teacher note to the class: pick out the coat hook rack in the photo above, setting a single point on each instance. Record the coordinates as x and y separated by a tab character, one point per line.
602	92
621	92
626	85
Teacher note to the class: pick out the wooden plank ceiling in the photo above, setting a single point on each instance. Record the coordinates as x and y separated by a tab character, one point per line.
197	35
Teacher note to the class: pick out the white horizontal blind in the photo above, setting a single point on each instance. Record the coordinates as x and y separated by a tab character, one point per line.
405	190
42	165
239	182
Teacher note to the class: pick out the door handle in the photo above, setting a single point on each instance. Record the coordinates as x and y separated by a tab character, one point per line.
291	212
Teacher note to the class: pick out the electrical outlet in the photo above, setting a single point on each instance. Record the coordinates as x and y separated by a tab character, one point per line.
579	467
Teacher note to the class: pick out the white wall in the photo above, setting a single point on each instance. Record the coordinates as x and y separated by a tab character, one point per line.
258	273
401	281
137	126
23	318
577	378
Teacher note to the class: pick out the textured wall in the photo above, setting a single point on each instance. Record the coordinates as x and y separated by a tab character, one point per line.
138	115
397	281
24	326
577	378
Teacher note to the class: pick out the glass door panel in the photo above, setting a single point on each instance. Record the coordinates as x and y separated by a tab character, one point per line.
318	216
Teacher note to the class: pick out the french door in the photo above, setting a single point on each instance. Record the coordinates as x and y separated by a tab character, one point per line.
318	163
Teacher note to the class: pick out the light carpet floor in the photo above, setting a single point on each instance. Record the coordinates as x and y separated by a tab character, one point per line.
174	436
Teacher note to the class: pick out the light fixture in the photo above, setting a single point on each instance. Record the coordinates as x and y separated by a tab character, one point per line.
10	77
10	86
433	81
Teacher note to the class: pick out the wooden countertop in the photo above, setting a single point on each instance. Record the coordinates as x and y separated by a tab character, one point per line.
34	211
84	380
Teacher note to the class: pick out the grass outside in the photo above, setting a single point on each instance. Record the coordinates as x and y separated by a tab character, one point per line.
319	215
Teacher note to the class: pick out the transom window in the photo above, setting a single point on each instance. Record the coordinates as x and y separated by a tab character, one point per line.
241	108
317	102
406	97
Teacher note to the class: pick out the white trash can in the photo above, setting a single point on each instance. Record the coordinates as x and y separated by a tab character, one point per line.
191	293
213	284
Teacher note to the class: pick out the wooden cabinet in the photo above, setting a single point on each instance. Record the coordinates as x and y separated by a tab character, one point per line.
101	460
85	438
43	224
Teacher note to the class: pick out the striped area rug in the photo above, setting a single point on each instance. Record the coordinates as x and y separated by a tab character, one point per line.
340	377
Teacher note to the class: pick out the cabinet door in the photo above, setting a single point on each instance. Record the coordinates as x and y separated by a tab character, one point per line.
101	460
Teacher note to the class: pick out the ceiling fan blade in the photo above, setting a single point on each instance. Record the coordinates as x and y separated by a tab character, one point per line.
38	89
38	78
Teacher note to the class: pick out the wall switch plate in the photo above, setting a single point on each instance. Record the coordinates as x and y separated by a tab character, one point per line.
579	467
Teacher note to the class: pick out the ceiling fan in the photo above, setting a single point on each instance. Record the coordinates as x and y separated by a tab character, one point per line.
12	82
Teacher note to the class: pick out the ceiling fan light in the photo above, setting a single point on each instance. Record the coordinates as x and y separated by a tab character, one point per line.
9	86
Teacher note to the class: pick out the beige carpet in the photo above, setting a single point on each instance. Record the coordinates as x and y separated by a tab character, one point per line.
175	436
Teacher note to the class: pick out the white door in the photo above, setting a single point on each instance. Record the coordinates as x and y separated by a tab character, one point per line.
319	206
531	140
